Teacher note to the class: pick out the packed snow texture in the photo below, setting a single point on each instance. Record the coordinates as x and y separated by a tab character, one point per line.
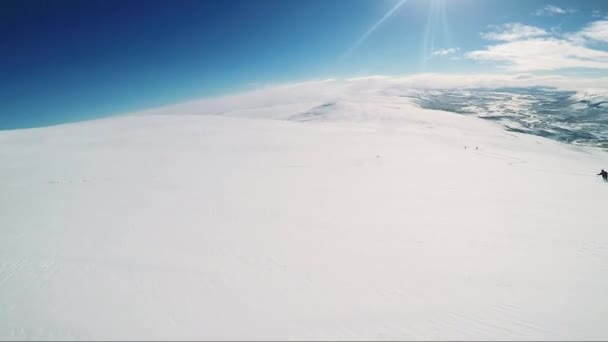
315	211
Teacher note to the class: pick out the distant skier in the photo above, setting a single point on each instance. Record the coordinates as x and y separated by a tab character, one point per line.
604	175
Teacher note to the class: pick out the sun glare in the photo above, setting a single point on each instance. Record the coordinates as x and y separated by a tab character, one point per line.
436	33
374	27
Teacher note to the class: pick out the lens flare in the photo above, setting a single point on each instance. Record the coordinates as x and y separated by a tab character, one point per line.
436	33
373	28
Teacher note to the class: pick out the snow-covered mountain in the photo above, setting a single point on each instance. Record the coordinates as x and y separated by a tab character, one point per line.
324	210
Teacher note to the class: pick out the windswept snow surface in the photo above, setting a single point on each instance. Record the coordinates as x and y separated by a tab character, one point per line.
328	215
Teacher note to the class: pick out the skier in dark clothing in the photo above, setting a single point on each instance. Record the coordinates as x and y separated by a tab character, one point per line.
604	175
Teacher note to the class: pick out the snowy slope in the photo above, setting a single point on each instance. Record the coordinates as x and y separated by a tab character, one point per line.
335	215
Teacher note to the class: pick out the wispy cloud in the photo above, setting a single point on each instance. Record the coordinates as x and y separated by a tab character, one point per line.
549	10
446	81
445	52
543	54
513	31
533	49
597	31
596	14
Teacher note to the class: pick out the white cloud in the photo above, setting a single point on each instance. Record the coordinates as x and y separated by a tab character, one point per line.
445	52
513	31
553	10
526	48
381	84
495	80
597	31
543	54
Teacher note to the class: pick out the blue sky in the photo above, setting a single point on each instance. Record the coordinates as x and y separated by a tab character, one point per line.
68	60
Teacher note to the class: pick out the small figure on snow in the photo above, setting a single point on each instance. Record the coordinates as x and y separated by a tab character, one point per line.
604	174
